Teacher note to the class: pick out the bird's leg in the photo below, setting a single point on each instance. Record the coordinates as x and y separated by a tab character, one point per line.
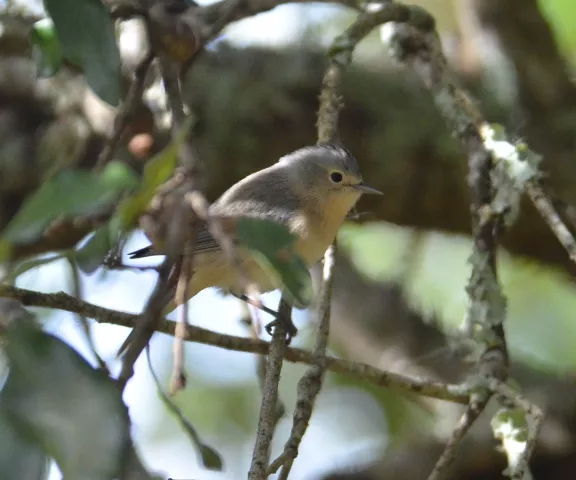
249	301
283	315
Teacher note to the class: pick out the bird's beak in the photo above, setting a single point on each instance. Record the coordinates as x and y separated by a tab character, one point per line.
362	187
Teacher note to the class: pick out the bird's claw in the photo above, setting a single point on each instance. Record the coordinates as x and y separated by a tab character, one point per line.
287	325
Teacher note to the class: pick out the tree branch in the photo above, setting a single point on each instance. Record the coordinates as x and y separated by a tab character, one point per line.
267	419
63	301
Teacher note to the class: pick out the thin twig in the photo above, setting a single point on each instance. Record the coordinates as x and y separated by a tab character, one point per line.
280	409
472	412
544	205
310	384
147	323
266	420
362	371
126	111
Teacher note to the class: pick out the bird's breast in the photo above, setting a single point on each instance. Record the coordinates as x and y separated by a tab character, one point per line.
314	240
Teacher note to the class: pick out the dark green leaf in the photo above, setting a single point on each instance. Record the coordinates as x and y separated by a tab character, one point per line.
68	193
87	39
91	255
29	265
59	402
46	51
157	171
273	245
19	458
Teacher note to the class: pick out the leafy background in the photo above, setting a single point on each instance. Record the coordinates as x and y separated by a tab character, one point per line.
222	398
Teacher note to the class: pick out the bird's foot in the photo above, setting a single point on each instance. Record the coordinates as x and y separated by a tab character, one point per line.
286	324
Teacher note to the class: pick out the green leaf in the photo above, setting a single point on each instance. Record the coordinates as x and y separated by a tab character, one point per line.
87	39
68	193
26	265
54	398
273	245
91	255
46	48
157	171
19	458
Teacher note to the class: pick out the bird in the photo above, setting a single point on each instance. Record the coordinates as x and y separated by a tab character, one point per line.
310	191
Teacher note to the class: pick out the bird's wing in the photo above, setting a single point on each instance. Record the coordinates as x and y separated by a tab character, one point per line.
256	196
205	242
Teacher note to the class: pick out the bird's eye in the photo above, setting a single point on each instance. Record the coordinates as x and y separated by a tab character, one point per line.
336	177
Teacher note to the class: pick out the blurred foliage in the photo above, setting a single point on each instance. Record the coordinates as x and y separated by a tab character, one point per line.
87	39
435	269
19	457
403	415
68	193
46	51
53	397
30	264
561	14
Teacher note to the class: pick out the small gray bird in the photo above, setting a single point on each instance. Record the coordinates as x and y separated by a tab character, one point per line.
310	191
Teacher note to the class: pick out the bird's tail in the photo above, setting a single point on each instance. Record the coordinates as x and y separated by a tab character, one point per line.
143	252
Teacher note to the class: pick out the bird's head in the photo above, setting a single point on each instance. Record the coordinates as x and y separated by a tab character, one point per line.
328	171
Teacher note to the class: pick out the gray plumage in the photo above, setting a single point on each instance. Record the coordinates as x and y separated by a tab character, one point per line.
310	191
256	195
